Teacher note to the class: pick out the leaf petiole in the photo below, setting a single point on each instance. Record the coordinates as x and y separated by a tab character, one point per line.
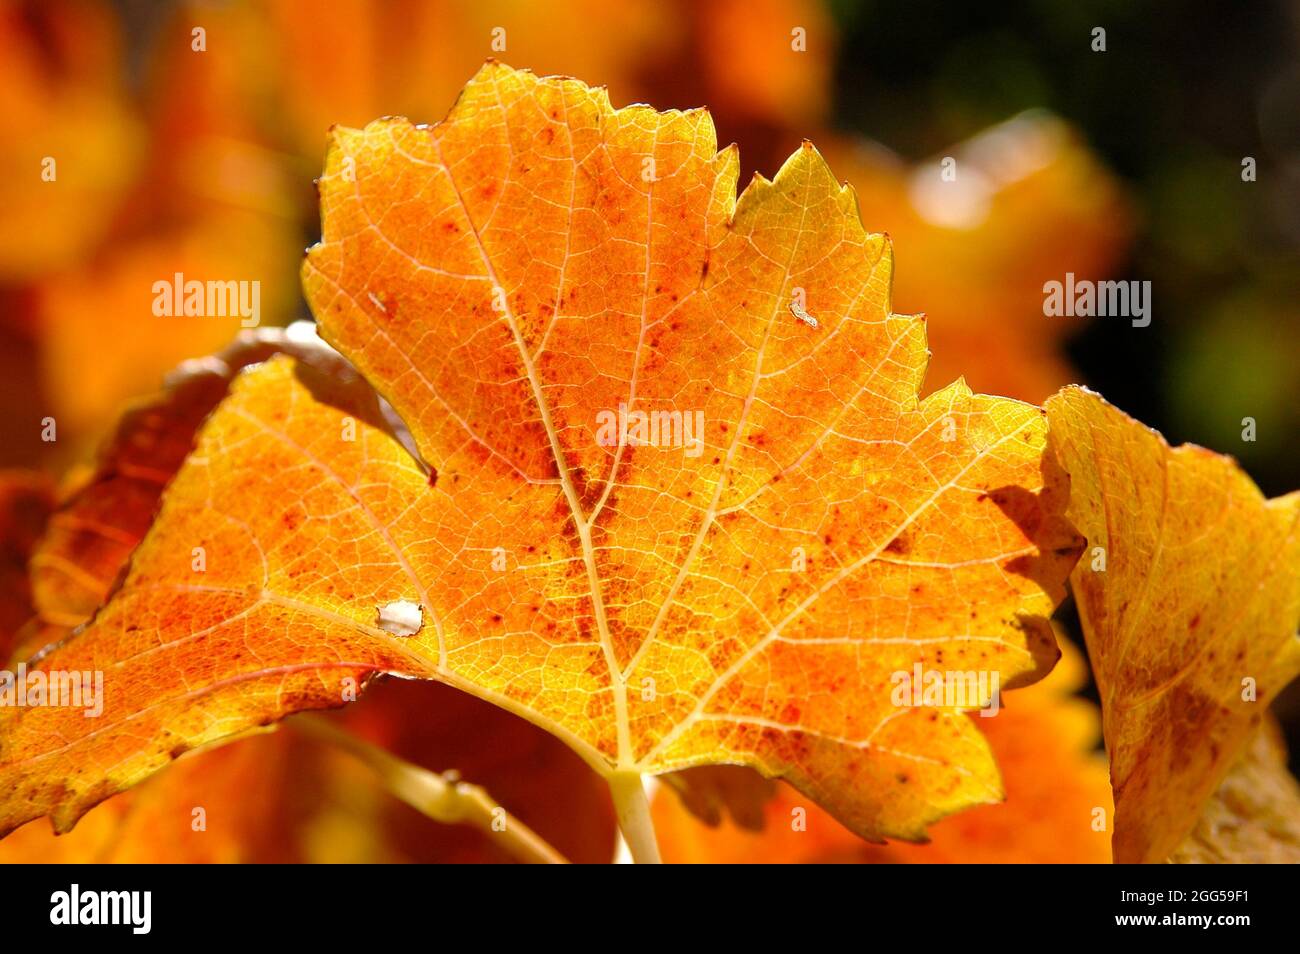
633	810
444	798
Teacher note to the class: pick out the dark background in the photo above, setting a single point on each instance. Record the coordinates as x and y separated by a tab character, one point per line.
1182	93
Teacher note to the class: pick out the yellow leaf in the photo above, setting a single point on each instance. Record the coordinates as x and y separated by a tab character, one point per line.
738	583
1189	597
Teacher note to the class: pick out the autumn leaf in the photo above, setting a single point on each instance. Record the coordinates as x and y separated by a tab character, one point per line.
507	280
1057	789
1189	597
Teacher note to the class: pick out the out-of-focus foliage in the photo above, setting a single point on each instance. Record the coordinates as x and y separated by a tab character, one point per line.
1026	199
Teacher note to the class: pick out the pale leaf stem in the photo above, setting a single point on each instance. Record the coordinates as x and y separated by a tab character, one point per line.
444	798
633	810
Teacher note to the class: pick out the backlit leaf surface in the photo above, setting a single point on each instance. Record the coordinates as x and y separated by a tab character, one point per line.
740	593
1045	744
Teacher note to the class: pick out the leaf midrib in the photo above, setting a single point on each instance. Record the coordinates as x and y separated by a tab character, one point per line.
618	686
